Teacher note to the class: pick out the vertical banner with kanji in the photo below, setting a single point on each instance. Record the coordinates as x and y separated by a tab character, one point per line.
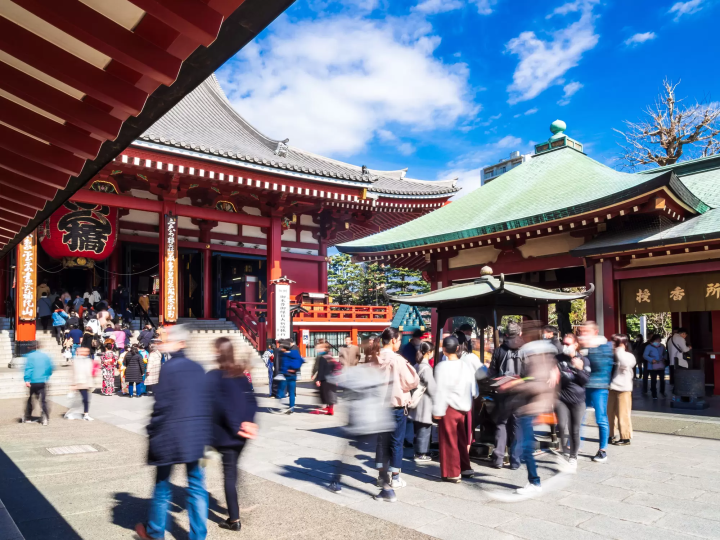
282	311
170	276
27	278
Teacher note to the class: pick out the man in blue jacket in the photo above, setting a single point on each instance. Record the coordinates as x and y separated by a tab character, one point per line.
290	363
38	369
179	429
601	358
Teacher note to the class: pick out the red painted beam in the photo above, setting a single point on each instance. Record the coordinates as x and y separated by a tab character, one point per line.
225	7
190	17
17	196
10	226
12	220
19	209
44	154
30	169
47	98
670	270
68	68
217	215
118	201
104	35
26	185
65	136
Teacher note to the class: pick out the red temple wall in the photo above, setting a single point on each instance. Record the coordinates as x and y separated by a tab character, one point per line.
307	276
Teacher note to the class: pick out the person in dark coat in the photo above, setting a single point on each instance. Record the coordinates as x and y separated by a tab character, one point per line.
146	335
134	370
233	414
180	428
324	369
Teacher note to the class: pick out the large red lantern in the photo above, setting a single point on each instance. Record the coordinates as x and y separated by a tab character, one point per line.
80	233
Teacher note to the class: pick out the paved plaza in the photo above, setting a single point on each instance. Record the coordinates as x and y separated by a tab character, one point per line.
662	486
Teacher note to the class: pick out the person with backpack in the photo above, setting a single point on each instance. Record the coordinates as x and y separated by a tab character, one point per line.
655	355
400	379
507	362
456	387
323	372
421	403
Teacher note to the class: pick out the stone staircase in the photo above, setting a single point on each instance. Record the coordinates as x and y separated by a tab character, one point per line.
203	334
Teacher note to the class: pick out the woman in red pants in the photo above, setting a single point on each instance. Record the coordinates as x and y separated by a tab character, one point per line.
456	388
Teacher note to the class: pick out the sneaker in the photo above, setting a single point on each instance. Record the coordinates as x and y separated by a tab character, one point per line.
86	417
335	487
622	442
468	473
386	495
44	421
530	490
24	420
289	411
655	397
397	482
421	458
600	457
379	482
318	411
230	525
452	479
572	465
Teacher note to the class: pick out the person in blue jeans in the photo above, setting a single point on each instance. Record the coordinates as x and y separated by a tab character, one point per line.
601	358
180	428
290	365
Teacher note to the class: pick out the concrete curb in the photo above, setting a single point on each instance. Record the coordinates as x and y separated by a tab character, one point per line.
8	529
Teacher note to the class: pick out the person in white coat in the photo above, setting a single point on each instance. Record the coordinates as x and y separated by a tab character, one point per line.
83	378
676	347
620	396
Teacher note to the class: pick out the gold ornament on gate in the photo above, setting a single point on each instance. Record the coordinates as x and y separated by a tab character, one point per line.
643	295
677	293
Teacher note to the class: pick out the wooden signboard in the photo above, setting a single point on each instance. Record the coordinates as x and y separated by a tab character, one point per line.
27	278
170	277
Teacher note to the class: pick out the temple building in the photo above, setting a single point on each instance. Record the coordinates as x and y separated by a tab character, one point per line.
648	241
207	217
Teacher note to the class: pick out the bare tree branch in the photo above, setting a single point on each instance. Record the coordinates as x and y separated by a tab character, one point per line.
671	127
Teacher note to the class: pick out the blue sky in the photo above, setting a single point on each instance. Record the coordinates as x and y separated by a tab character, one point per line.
445	87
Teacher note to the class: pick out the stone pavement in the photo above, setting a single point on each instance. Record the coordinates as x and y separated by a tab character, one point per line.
660	487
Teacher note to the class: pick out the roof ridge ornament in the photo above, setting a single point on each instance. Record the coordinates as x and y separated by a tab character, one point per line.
366	176
282	148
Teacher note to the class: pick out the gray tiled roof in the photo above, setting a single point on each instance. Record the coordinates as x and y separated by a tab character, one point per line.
205	121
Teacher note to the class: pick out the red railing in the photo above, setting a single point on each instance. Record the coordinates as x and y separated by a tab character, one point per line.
249	318
335	313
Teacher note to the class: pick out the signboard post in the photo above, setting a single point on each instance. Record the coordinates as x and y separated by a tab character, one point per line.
170	303
282	311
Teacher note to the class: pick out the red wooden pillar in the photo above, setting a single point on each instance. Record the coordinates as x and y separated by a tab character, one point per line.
609	300
207	283
114	270
590	302
168	209
4	278
274	269
354	335
322	277
543	311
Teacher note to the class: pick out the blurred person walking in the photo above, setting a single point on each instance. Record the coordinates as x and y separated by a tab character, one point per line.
570	406
349	353
233	415
400	378
38	370
507	362
421	403
324	371
134	370
83	379
536	389
621	386
45	309
179	429
108	361
154	363
655	356
456	387
601	358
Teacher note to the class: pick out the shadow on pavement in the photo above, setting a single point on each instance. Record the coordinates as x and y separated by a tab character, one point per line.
34	515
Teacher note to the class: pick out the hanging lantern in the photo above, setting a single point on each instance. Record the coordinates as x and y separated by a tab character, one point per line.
80	233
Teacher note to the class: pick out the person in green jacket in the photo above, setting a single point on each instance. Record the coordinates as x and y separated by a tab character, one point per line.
38	369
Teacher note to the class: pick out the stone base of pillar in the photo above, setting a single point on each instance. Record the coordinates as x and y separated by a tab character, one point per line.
24	347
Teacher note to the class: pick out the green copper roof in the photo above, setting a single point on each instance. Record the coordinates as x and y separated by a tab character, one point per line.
553	185
483	291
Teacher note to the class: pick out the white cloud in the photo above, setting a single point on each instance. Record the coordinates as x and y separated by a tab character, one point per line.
544	63
484	7
387	136
570	7
468	180
569	90
331	83
527	113
490	120
488	153
431	7
640	38
685	8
